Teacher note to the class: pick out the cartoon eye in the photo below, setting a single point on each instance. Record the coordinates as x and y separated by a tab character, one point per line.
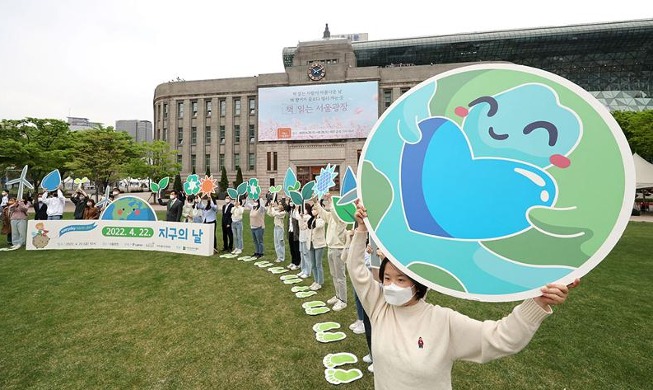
494	106
499	137
548	126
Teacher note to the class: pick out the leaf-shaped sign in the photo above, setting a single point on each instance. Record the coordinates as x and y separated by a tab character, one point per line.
275	189
348	182
154	187
242	188
307	191
163	183
51	181
289	181
296	197
344	212
233	194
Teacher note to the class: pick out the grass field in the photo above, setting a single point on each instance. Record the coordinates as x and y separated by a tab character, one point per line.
127	319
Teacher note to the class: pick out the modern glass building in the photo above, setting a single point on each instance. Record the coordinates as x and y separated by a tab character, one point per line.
614	61
266	123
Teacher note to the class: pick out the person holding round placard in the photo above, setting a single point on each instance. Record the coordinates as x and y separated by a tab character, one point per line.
415	343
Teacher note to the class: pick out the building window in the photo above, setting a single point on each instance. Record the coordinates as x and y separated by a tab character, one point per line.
180	109
165	110
221	161
272	182
207	162
193	160
236	133
180	135
222	135
251	134
236	161
236	107
404	90
272	161
193	135
252	106
164	135
207	135
179	159
252	161
358	155
208	108
387	98
193	106
223	107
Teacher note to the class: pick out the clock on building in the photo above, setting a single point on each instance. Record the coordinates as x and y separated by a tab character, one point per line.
316	71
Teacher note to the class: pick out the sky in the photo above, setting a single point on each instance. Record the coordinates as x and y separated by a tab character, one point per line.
102	60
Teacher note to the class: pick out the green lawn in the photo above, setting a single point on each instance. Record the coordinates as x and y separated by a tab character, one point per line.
128	319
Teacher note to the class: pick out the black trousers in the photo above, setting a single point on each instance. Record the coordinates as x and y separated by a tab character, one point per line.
227	238
215	231
294	249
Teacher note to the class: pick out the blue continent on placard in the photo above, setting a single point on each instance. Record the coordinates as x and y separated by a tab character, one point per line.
436	196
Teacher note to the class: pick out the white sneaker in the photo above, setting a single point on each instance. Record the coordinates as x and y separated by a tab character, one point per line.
15	247
303	276
339	306
355	324
315	286
370	368
367	359
279	261
360	329
238	251
332	300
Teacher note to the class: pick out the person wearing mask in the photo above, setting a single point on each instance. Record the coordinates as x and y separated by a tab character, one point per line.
6	220
302	218
90	211
18	218
187	210
79	199
316	226
40	209
335	240
4	201
416	343
227	232
276	211
55	204
257	226
293	238
209	211
173	207
237	227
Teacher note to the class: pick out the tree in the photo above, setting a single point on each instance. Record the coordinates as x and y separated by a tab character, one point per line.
103	155
638	129
239	178
224	181
42	144
177	186
155	162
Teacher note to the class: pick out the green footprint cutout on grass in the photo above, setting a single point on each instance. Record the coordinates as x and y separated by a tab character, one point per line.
325	326
265	264
337	376
278	270
292	281
309	304
333	360
298	288
313	311
228	256
261	262
247	258
305	294
328	337
286	277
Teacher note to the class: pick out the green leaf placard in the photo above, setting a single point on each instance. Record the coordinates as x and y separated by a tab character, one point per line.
233	194
307	191
296	197
242	188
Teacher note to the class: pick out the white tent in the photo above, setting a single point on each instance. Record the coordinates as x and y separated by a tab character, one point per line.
643	172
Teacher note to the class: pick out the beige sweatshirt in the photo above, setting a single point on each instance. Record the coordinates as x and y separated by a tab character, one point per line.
402	361
335	234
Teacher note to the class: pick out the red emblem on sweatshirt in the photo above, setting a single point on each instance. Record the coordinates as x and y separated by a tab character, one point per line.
420	343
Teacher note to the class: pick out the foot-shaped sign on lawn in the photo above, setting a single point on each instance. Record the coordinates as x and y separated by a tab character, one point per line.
487	182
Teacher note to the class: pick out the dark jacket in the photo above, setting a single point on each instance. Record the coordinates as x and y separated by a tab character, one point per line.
41	210
173	213
80	204
226	214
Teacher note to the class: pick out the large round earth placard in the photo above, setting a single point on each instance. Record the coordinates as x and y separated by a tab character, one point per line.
129	208
489	181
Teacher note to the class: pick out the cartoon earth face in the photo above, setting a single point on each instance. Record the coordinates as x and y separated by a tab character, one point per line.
129	208
476	180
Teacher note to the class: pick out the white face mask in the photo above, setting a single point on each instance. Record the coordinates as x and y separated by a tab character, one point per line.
397	296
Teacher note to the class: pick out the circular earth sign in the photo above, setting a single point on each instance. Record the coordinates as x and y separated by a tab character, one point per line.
489	181
129	208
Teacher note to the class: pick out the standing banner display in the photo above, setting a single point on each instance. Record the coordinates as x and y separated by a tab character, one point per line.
489	181
187	238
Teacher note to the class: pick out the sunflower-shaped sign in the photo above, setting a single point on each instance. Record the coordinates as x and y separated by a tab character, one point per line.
208	185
